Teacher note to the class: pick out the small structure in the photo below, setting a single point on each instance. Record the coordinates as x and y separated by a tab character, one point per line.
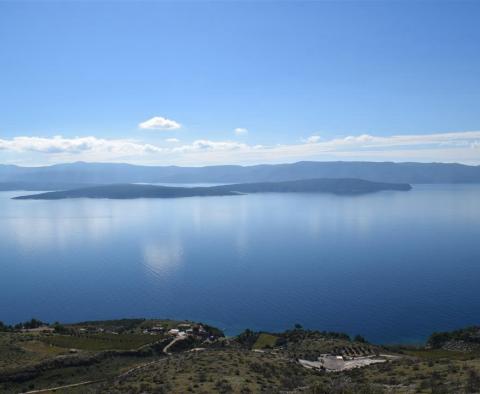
41	329
154	330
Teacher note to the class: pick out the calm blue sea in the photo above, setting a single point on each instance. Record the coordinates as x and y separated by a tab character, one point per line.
392	266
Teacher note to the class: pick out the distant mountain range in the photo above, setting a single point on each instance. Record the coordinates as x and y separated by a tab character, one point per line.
129	191
57	177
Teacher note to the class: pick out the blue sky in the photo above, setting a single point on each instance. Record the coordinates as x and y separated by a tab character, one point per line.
340	80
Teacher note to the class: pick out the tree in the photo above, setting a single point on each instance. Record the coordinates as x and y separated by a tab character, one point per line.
33	323
359	338
59	328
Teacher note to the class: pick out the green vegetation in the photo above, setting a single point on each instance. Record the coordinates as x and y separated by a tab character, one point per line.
120	324
17	350
30	324
265	340
215	371
469	335
127	356
97	342
438	354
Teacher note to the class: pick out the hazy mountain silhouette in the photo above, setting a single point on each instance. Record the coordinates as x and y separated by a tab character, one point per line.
56	176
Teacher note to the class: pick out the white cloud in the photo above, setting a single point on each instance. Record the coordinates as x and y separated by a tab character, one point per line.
463	147
369	141
241	131
312	139
173	140
159	123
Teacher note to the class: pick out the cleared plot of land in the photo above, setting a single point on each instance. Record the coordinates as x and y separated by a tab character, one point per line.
332	363
21	350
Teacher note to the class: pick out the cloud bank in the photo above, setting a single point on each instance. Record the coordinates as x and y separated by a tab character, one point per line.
77	145
462	147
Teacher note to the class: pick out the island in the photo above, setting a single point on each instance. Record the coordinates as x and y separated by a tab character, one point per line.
341	186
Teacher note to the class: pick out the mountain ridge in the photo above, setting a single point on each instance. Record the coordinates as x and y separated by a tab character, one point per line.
105	173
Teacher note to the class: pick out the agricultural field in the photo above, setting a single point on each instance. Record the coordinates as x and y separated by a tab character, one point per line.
98	342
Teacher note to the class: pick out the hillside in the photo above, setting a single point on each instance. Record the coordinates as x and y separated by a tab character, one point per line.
129	191
167	356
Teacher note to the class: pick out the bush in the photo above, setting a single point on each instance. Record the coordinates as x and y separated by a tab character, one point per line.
359	338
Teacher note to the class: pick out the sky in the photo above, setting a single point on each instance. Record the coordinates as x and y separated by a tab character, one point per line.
239	82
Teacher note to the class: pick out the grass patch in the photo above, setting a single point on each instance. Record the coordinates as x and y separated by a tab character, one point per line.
265	341
42	348
165	323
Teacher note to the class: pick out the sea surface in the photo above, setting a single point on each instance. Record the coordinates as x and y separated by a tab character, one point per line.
391	266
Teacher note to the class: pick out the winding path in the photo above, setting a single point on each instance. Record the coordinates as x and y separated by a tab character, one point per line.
63	387
175	340
123	375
